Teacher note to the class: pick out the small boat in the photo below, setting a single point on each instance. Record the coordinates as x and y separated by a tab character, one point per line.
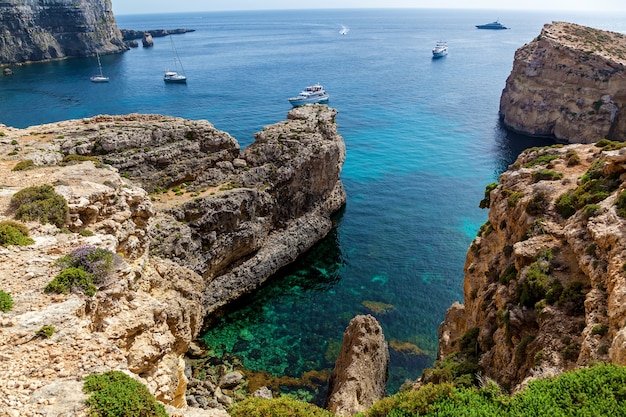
492	25
344	30
440	49
99	78
173	76
311	94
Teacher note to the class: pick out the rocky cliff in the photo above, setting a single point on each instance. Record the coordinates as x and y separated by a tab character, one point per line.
215	224
568	83
545	278
37	30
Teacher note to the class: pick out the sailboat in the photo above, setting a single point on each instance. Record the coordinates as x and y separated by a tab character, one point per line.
99	78
173	76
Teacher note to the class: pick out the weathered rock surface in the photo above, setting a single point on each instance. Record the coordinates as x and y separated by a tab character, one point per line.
54	29
218	214
360	373
569	83
546	292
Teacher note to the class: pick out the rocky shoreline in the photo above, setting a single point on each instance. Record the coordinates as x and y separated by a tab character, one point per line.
216	224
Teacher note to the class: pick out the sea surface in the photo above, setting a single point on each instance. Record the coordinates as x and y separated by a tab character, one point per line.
422	136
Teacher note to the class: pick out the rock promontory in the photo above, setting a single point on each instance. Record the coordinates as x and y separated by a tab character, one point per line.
193	221
545	277
569	83
37	30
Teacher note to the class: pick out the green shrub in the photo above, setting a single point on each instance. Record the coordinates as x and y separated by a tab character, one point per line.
96	261
609	145
486	201
41	204
115	394
514	197
75	159
509	274
600	329
573	297
86	233
591	210
72	278
565	205
14	233
546	175
6	301
541	160
45	332
277	407
572	158
537	282
22	165
595	391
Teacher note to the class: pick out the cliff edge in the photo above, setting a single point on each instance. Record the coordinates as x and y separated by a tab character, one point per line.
569	83
39	30
194	222
545	278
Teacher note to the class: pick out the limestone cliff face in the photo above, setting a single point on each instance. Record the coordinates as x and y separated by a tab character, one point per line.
38	30
544	280
569	83
217	223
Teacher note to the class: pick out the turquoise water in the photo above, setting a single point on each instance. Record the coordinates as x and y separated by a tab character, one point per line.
422	138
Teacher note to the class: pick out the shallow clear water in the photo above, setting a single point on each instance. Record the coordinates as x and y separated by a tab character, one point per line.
422	139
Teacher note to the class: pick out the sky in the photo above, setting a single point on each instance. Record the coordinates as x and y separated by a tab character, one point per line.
121	7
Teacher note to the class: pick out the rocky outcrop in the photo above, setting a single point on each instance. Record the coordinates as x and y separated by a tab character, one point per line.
568	83
360	373
47	30
544	279
216	224
130	34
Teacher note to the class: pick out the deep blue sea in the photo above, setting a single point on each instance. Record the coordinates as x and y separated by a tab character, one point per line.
422	139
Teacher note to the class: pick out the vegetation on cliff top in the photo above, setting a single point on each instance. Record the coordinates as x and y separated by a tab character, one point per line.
595	391
14	233
40	204
83	269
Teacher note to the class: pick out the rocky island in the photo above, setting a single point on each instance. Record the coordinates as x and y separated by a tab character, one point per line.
193	221
569	83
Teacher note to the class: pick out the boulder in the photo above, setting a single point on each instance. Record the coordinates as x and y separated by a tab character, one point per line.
147	40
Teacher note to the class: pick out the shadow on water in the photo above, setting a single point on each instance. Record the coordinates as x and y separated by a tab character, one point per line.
274	335
509	145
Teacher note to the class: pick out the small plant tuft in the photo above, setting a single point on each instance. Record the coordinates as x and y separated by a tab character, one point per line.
45	332
22	165
486	201
6	301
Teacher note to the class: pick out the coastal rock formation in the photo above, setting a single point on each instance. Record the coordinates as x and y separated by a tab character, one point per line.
568	83
213	227
55	29
130	34
360	373
544	279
